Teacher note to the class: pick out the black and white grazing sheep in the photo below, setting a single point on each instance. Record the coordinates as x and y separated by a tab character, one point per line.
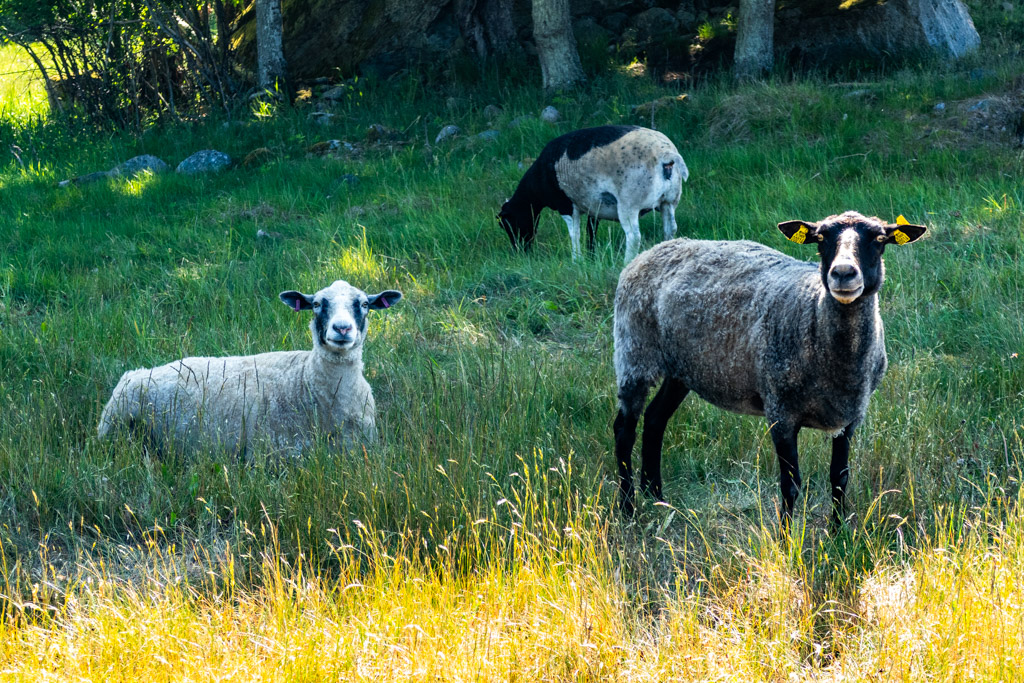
613	172
756	332
279	398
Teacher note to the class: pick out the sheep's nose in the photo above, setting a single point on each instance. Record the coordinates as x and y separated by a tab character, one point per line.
844	271
342	329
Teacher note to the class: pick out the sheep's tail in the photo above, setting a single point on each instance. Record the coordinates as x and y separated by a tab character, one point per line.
673	163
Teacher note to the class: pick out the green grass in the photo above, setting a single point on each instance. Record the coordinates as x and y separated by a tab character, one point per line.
488	507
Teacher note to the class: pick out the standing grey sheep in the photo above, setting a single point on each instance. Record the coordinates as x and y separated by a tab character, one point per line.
613	172
756	332
280	398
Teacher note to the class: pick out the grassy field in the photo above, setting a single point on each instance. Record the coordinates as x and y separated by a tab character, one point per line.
479	539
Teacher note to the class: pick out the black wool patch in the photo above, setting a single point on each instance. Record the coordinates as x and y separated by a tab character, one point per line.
359	315
579	142
323	316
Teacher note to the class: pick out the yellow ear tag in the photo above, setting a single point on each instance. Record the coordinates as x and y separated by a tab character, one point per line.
800	236
900	236
900	220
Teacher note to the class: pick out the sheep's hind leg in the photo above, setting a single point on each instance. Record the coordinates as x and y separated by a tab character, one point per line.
573	223
668	220
661	408
630	221
591	232
839	474
785	439
631	401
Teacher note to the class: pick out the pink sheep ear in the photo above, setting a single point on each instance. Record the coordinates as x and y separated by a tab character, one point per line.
297	301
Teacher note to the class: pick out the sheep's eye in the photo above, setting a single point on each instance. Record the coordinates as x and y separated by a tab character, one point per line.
316	304
366	304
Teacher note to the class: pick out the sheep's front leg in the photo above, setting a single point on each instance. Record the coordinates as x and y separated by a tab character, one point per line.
839	474
573	223
668	220
630	220
632	395
784	437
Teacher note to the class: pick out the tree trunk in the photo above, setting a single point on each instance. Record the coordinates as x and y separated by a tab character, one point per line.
271	70
556	44
754	38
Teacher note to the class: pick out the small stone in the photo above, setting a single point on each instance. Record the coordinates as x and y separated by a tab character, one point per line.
1007	7
616	21
140	164
648	108
492	111
866	94
204	161
550	114
686	18
381	133
980	105
488	135
262	234
257	157
335	94
941	106
321	117
324	147
654	24
520	120
447	132
350	179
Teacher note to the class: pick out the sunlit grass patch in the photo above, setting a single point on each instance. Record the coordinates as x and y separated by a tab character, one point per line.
22	93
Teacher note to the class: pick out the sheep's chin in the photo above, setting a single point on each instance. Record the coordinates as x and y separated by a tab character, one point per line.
339	346
846	297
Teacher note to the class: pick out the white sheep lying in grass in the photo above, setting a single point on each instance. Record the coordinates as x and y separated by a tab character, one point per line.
612	172
281	398
756	332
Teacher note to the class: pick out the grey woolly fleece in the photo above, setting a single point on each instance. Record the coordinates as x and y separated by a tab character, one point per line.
750	330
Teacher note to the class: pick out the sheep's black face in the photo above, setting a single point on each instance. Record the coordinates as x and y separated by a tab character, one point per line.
519	224
339	313
851	247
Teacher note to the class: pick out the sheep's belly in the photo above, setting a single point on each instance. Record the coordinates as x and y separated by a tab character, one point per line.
605	206
752	405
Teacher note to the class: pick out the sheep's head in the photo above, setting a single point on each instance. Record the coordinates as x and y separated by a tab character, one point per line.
339	314
851	247
519	222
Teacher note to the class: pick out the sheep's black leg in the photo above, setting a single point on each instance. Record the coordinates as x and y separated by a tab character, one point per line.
839	473
784	439
664	404
591	232
631	401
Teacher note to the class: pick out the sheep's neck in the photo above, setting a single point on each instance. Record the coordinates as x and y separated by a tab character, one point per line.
328	364
851	329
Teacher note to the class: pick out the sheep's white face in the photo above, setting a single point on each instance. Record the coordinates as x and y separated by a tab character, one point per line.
339	313
845	278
